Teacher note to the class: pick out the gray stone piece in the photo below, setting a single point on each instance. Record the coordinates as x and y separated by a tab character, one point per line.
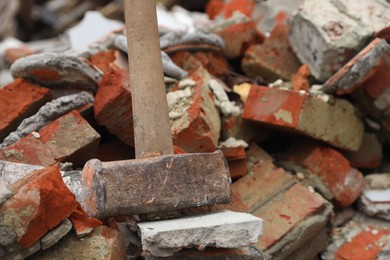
225	229
196	37
57	233
326	34
170	68
58	70
46	114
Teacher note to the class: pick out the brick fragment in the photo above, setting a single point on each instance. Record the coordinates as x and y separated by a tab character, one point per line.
13	54
57	70
321	32
41	202
197	126
291	219
335	123
19	100
54	235
369	154
272	60
48	113
301	79
113	105
375	200
358	70
69	138
236	159
345	182
102	243
103	59
224	229
239	37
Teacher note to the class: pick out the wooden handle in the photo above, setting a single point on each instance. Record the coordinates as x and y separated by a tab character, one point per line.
152	130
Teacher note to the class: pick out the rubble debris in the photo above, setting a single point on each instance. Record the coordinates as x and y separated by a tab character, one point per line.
46	114
19	100
185	186
57	70
343	181
306	114
222	230
69	138
359	69
195	121
326	35
272	60
375	200
102	243
56	234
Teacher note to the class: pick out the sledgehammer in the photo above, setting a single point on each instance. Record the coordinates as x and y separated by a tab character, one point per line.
157	180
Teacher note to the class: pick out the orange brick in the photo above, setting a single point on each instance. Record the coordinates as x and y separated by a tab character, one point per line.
272	60
286	211
18	101
41	202
345	182
69	138
239	37
113	104
335	123
366	245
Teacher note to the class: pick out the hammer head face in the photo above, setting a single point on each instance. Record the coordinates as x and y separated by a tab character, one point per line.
156	184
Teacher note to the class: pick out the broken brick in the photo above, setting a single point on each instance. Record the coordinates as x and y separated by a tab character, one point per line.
198	126
113	106
102	243
335	123
295	209
272	60
13	54
57	70
69	138
369	155
41	202
358	70
367	244
103	59
320	32
301	79
239	37
19	100
236	159
345	182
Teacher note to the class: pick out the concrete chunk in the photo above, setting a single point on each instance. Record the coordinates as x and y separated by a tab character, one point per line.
54	235
57	70
326	34
222	230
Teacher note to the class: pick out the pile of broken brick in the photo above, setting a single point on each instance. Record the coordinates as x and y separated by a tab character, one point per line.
301	114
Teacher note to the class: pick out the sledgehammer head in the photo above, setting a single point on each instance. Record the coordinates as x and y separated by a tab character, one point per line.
155	184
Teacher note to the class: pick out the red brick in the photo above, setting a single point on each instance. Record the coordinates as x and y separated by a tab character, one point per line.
272	60
287	211
263	182
114	151
69	138
369	155
82	224
18	101
236	159
301	79
41	202
239	37
215	8
366	245
214	61
335	123
103	59
380	81
13	54
198	129
113	104
345	182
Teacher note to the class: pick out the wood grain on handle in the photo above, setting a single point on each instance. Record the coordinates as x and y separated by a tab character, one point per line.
152	130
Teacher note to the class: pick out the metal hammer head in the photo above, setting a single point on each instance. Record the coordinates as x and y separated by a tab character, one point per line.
155	184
